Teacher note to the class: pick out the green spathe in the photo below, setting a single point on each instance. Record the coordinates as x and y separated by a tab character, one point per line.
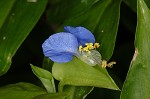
78	73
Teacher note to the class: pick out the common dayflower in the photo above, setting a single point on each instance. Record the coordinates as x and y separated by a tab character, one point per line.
74	41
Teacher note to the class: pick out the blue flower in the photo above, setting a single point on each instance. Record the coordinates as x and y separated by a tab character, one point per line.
74	41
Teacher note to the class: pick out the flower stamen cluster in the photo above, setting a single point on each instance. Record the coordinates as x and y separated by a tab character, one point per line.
89	47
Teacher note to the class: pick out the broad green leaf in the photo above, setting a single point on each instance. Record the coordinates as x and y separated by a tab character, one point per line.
20	91
137	82
45	77
18	24
52	96
5	8
77	92
132	4
102	19
78	73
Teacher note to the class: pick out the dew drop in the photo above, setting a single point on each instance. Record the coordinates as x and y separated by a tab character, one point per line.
4	38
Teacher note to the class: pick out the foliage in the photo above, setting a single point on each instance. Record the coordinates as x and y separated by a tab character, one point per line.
25	24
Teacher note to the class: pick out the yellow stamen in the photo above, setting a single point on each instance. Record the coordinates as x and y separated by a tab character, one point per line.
89	44
104	64
80	48
88	47
96	45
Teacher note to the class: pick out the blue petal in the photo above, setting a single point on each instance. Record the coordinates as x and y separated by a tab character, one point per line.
83	35
62	58
60	47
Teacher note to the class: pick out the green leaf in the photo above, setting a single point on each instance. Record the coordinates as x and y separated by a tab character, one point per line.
132	4
5	9
137	82
52	96
78	73
102	19
20	91
15	28
45	77
77	92
73	8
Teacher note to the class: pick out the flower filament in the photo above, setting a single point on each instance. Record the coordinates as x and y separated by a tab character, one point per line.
104	64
